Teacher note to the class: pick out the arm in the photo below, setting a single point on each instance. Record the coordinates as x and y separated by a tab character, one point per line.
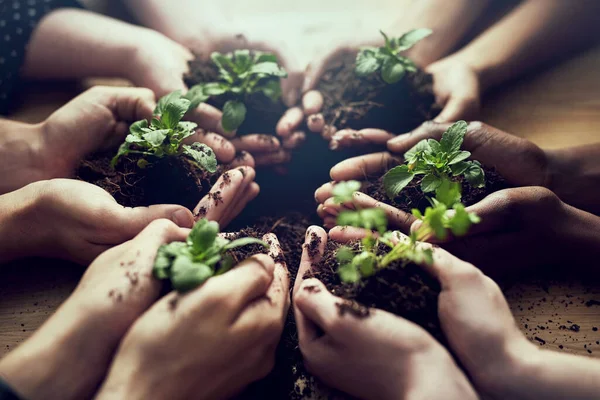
530	36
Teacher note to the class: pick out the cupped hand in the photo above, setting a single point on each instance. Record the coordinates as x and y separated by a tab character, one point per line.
379	356
208	343
81	337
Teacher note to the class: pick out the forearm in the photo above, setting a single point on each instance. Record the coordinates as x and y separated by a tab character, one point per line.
532	34
71	43
440	16
20	158
574	175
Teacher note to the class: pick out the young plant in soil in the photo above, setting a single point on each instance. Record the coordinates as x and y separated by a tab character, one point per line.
203	255
242	79
153	165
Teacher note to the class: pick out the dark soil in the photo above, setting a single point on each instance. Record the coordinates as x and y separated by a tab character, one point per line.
169	180
262	113
412	196
368	102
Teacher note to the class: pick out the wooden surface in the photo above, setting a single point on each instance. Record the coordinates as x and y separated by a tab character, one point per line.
556	107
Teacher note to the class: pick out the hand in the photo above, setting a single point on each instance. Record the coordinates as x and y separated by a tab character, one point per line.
209	343
381	356
76	220
81	337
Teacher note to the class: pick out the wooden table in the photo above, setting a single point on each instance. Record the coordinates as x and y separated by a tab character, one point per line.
556	107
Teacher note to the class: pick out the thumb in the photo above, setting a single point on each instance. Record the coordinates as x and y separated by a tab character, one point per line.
459	107
427	130
130	104
133	220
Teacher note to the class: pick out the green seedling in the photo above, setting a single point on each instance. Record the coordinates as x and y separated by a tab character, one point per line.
163	136
203	255
388	58
240	74
438	162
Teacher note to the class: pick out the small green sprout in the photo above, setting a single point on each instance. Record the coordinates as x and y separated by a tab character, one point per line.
203	255
240	75
163	136
437	161
387	58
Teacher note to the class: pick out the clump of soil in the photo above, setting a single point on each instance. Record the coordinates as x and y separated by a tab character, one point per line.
168	180
262	113
412	197
357	102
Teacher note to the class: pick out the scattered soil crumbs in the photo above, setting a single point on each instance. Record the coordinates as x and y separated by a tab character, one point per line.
169	180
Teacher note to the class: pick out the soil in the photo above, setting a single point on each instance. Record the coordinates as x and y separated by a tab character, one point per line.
368	102
169	180
262	114
412	197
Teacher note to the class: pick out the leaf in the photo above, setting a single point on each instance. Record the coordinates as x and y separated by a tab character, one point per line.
460	167
167	99
203	235
123	151
396	179
365	262
430	183
460	222
349	218
458	157
452	139
448	193
187	275
348	274
373	219
475	175
142	163
271	88
156	138
137	128
203	155
366	62
259	57
344	255
173	112
196	95
223	62
234	113
227	262
386	38
435	146
410	38
423	147
244	242
434	218
242	60
268	68
133	139
344	191
215	89
392	71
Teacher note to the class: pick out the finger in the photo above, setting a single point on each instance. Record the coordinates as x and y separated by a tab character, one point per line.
256	143
243	158
223	148
127	103
427	130
312	102
345	234
295	140
450	271
278	157
128	222
326	191
315	123
362	167
350	137
249	194
328	132
459	108
291	87
209	118
224	193
289	122
315	309
312	251
396	218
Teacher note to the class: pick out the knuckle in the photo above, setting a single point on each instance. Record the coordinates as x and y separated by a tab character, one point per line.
162	226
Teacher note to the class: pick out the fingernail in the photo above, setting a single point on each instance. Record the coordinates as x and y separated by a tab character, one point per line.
183	218
334	144
397	140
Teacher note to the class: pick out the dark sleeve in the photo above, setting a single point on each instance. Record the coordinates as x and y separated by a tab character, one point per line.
6	393
18	19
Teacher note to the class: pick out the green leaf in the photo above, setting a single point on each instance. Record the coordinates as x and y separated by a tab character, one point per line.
196	96
344	191
430	183
271	88
365	262
410	38
245	242
142	163
475	175
137	128
203	155
435	218
460	167
123	151
344	255
268	68
234	113
227	262
242	60
260	57
453	138
348	274
392	71
397	179
458	157
423	147
223	62
366	62
349	218
163	101
448	193
435	146
133	139
460	222
386	38
215	89
373	219
187	275
203	235
173	112
156	138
